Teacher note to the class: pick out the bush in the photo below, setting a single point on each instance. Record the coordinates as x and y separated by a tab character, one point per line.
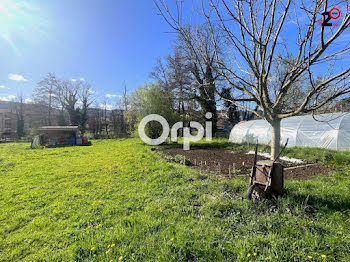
146	100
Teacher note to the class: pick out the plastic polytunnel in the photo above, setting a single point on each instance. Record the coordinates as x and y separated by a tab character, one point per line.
331	131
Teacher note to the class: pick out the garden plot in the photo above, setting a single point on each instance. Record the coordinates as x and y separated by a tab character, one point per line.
238	163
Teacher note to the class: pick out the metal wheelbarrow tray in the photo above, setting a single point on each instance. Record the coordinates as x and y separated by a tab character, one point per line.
266	178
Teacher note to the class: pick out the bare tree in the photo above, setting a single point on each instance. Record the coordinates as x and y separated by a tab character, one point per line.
85	97
76	98
120	115
20	117
68	93
125	98
232	112
177	83
45	93
200	53
259	35
105	118
162	75
179	80
188	77
118	123
95	121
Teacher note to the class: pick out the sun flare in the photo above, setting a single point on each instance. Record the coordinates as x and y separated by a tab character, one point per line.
19	22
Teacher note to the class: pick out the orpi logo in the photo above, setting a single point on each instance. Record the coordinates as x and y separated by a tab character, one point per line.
334	14
187	136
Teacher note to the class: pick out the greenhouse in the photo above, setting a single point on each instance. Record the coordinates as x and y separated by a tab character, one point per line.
331	131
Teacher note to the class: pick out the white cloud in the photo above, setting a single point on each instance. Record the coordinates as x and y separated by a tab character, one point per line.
8	98
82	79
28	100
16	77
112	95
107	106
2	86
91	91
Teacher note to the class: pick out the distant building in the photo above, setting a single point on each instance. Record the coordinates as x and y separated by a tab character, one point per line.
243	115
342	105
222	113
223	127
8	123
34	116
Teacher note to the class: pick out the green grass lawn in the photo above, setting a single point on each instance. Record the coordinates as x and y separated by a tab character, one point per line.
118	200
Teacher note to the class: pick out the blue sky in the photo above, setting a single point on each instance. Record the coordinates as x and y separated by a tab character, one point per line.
106	42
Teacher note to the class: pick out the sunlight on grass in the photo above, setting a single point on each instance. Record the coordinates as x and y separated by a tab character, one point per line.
118	200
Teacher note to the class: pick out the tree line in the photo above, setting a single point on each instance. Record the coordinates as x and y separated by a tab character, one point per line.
239	56
71	99
183	89
274	56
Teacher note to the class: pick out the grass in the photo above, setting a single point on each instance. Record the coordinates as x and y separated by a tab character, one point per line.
117	199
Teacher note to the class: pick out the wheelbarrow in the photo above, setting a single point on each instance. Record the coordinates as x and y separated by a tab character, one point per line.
266	177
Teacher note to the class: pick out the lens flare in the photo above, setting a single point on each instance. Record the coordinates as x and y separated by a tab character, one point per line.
20	22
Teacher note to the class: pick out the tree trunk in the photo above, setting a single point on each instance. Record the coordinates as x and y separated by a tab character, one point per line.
50	102
275	138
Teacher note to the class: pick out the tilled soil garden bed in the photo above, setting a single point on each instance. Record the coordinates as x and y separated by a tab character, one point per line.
232	163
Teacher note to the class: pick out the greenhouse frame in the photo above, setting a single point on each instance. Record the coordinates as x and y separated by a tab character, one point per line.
331	131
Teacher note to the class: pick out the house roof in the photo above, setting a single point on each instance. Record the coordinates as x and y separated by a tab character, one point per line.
4	111
58	128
